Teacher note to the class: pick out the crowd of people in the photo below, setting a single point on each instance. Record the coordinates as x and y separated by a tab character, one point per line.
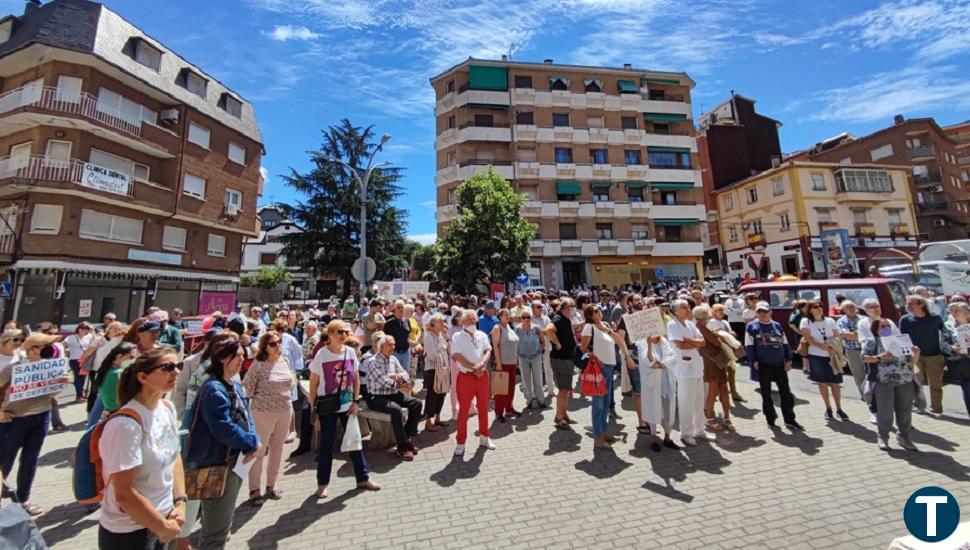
184	424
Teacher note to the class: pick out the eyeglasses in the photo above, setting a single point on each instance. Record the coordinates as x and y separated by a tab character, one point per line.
524	317
274	344
166	367
343	332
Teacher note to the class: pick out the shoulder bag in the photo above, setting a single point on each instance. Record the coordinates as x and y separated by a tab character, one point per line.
328	404
579	358
206	482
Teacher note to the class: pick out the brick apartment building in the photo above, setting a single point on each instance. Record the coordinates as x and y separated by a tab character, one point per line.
940	193
128	176
734	142
960	133
606	157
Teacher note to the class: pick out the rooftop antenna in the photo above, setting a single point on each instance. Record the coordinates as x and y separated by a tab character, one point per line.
512	47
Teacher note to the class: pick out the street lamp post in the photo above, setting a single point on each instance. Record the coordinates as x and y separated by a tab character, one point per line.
362	183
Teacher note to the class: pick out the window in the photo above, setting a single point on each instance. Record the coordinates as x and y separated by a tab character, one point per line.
859	215
594	121
451	86
69	89
230	105
785	222
668	197
656	95
733	234
661	128
566	197
781	298
58	154
634	194
756	227
752	195
233	199
640	232
824	215
863	181
199	135
593	86
484	120
522	81
777	186
728	202
599	156
115	105
856	294
237	153
601	193
451	121
632	156
19	156
124	165
450	158
192	81
216	245
818	182
673	234
144	53
560	119
881	152
97	225
564	155
524	117
604	231
6	27
267	258
895	217
664	159
567	231
193	186
531	193
173	238
452	196
558	84
628	122
46	219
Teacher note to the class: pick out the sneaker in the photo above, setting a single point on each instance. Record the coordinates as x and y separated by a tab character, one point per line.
906	443
459	450
794	426
704	436
689	441
842	416
486	442
873	419
883	444
405	455
828	415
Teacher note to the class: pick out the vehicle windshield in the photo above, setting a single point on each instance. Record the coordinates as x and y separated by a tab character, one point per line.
898	293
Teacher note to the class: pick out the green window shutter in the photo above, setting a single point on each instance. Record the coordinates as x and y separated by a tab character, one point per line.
601	185
664	117
676	222
567	188
636	184
670	185
627	87
648	80
488	78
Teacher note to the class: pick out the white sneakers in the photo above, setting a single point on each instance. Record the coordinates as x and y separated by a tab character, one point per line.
704	436
486	442
459	450
689	441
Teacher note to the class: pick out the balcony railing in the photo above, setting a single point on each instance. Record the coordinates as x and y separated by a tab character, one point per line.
77	104
920	151
926	179
931	206
6	243
38	168
485	162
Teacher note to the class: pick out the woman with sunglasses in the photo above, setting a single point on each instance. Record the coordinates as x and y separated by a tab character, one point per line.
105	381
819	331
24	423
269	384
335	370
221	430
599	339
144	496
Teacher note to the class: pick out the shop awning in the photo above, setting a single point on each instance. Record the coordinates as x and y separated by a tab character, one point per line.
601	185
567	188
627	87
676	222
670	185
120	271
488	78
664	117
668	150
648	80
636	184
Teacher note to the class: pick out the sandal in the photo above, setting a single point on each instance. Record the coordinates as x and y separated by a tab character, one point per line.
431	428
442	423
32	509
729	426
645	430
569	420
321	492
713	425
255	499
561	424
274	494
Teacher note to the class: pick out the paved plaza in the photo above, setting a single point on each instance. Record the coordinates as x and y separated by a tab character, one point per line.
826	488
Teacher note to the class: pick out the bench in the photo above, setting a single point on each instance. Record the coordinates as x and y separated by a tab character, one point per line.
379	426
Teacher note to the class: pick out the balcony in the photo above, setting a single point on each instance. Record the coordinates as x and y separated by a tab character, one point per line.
446	213
865	230
679	248
22	106
928	180
934	206
463	97
920	151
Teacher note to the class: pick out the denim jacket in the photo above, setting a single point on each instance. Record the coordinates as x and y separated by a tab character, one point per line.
215	433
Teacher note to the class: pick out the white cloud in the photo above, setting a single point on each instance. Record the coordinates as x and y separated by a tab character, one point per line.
282	33
429	204
424	238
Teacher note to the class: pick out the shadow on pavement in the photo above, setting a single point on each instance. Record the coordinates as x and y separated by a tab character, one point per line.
855	430
563	441
58	458
296	521
667	491
457	469
933	440
798	440
64	522
704	457
605	464
734	442
935	462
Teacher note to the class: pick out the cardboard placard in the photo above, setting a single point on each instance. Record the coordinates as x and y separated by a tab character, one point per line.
900	346
643	324
36	379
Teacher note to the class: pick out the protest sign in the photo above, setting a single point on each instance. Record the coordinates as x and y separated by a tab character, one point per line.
643	324
36	379
963	336
900	346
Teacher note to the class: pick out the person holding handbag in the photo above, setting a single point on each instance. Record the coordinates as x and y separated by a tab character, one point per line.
269	384
819	331
335	387
222	432
599	340
505	342
437	350
144	488
895	387
78	349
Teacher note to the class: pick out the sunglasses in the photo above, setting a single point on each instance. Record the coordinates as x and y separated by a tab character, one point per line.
524	317
343	332
274	344
166	367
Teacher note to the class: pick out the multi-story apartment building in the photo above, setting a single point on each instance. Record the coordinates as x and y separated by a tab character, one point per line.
960	133
942	200
734	142
128	176
606	157
771	222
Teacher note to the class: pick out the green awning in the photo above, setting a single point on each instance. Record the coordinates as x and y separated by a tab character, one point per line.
664	117
553	79
636	184
658	80
668	150
676	222
487	106
627	87
567	188
601	185
488	78
670	185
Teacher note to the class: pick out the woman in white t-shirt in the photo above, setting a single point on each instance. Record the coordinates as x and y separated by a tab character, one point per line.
144	497
77	351
819	331
599	339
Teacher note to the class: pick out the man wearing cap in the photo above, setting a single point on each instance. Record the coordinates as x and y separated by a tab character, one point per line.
488	321
148	333
769	353
168	335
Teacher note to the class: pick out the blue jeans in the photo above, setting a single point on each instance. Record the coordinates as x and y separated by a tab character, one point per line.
404	358
328	431
96	411
26	435
601	405
78	378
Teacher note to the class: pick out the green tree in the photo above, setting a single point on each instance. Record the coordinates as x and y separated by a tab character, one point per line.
330	210
423	261
271	277
489	240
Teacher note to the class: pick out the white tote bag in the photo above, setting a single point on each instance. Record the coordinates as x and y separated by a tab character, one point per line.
353	441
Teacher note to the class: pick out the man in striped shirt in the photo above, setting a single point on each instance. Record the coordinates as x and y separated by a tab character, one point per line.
385	375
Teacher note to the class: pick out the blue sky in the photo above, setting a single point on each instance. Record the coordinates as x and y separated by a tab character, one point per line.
820	67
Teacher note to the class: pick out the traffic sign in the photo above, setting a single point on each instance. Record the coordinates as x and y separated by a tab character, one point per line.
6	290
522	279
659	272
371	269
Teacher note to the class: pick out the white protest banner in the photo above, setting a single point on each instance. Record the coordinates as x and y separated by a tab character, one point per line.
963	336
35	379
900	346
645	323
396	289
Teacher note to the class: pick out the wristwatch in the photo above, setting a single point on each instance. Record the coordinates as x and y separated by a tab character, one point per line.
357	401
180	498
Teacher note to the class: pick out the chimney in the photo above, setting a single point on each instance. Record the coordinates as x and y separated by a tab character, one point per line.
547	61
627	67
505	57
898	119
30	6
775	161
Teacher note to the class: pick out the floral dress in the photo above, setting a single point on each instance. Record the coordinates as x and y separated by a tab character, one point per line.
894	372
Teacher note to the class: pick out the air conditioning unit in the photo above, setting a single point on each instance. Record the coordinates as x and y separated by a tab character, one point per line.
232	210
170	115
936	189
939	223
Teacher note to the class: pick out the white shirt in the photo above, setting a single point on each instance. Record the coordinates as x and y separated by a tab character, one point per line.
76	345
715	325
690	365
735	308
865	328
823	331
542	322
470	345
602	344
123	446
748	315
